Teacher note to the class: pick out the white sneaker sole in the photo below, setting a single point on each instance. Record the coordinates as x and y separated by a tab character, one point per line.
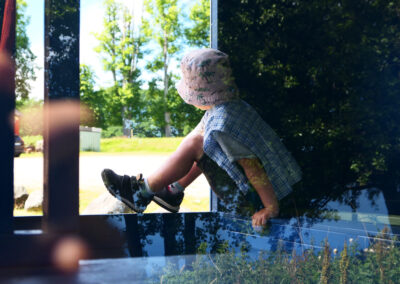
165	205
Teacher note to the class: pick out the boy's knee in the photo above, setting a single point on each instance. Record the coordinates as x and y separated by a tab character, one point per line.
198	140
195	142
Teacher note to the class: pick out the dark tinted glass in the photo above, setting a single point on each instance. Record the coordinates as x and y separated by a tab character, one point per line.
325	77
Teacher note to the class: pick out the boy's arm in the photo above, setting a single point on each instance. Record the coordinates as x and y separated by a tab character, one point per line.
259	180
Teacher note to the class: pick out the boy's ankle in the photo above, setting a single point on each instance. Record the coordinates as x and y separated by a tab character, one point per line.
146	188
175	187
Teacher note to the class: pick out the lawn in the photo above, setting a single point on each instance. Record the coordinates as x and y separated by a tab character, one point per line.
123	145
126	146
140	145
31	140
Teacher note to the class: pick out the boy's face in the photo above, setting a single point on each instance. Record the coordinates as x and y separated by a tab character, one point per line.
204	107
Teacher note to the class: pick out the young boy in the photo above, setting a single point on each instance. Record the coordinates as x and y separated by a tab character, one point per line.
241	156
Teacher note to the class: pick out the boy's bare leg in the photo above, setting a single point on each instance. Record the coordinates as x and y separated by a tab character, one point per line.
180	165
194	173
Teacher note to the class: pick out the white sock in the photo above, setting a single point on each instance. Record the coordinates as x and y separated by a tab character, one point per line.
176	187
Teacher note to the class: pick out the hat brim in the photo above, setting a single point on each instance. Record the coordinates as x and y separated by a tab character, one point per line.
184	91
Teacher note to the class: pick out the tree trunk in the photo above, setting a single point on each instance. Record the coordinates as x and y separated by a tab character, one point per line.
126	130
167	115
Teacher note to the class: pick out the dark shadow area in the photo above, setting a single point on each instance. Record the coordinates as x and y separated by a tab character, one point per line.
61	116
324	75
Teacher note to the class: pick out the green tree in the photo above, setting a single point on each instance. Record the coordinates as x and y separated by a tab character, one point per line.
120	47
24	58
94	100
154	106
199	32
31	120
164	27
184	117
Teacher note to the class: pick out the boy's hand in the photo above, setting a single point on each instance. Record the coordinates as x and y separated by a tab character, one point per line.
261	217
258	178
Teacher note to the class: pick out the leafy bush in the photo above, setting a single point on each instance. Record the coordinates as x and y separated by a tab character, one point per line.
377	264
146	128
31	119
112	131
31	140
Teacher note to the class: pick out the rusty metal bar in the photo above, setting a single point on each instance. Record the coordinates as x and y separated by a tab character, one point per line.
7	105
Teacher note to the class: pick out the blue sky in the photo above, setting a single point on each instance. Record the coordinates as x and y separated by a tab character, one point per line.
91	22
35	31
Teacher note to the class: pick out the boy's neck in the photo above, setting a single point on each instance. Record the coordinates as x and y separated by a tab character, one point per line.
205	107
212	106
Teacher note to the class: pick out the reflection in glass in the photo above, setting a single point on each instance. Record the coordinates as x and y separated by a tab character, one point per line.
330	90
204	240
61	115
62	49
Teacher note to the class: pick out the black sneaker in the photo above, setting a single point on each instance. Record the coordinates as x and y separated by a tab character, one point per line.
129	190
168	199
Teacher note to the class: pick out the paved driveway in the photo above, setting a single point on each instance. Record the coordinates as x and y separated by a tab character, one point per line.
28	171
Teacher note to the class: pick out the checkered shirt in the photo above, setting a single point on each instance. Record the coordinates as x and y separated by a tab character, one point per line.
240	121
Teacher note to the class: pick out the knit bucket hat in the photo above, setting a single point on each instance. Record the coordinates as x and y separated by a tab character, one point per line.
206	78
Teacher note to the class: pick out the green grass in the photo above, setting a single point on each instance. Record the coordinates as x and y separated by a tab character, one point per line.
140	145
115	145
376	264
31	140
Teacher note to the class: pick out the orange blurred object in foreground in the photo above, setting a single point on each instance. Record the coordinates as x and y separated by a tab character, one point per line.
67	253
16	125
6	73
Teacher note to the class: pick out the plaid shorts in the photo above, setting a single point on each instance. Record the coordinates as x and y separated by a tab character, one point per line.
241	122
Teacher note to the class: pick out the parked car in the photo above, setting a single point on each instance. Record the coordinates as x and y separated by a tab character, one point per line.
18	146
